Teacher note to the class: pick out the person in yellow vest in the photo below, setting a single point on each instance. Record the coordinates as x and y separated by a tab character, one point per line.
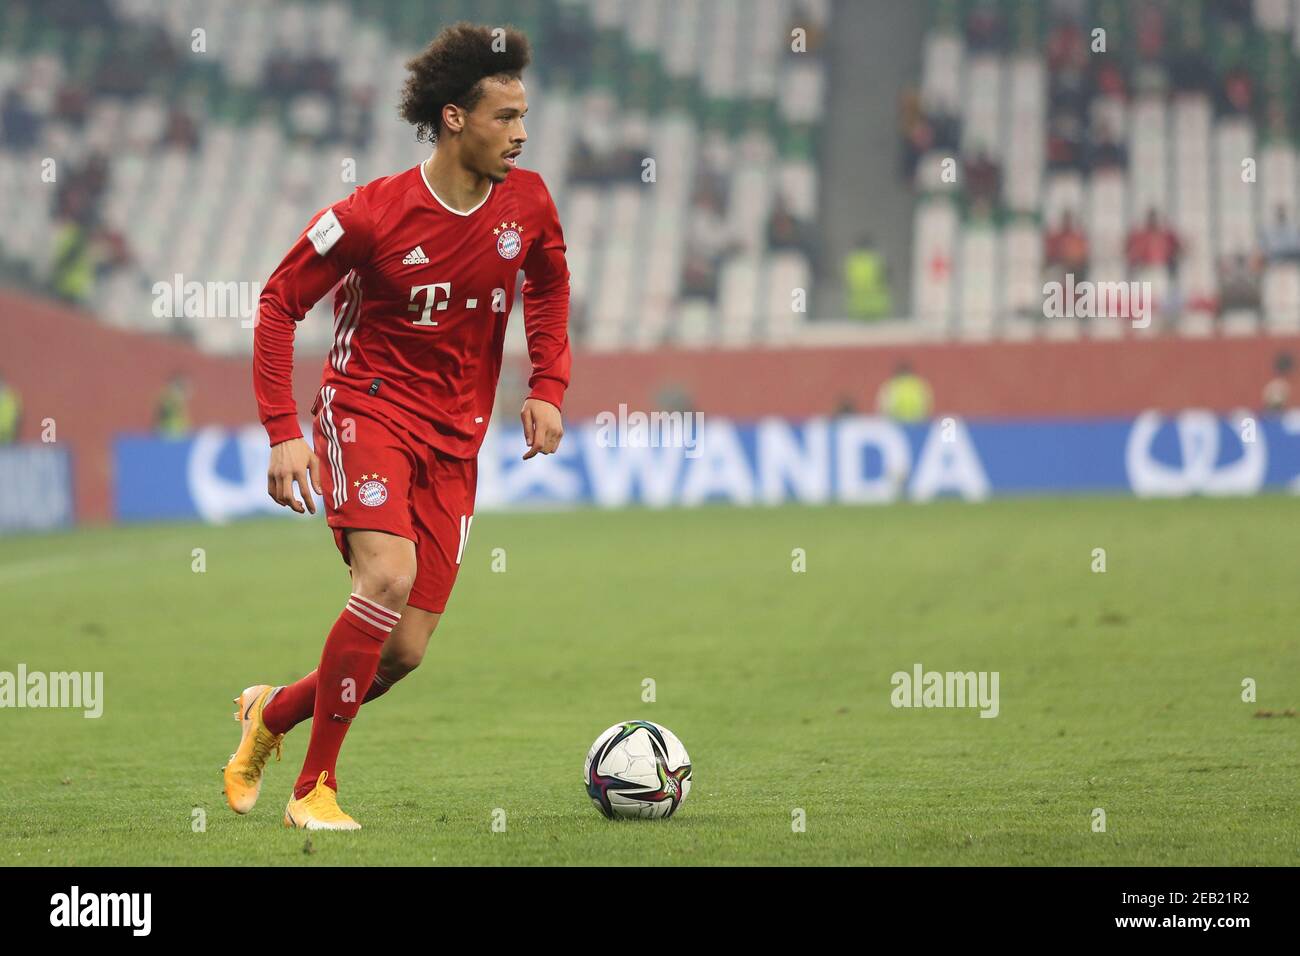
73	272
11	408
866	282
172	416
905	396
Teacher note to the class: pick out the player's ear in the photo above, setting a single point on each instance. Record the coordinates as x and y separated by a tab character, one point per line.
453	117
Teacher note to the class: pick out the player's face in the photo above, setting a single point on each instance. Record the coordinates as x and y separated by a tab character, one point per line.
494	130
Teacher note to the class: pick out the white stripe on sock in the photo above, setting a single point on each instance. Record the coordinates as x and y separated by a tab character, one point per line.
378	609
364	615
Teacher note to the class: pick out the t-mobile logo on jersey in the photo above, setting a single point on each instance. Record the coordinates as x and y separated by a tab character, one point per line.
426	299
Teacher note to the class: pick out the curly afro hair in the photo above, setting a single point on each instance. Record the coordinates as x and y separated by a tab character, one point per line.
450	69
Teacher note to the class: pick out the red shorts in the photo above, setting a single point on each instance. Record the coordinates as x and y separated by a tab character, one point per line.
379	478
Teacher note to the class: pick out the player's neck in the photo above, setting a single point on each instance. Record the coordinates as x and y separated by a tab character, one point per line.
460	188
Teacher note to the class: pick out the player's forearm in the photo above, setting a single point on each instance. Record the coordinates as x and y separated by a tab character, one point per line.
273	371
547	327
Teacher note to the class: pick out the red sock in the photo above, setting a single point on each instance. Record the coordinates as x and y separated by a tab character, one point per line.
349	661
293	703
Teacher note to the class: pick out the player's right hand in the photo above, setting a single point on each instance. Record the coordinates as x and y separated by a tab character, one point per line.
292	461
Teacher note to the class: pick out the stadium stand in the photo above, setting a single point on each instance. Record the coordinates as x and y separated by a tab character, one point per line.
1143	141
196	138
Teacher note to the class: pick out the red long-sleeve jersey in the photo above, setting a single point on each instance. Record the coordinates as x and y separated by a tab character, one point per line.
420	314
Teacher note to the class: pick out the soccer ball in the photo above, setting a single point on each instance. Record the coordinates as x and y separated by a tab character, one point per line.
637	769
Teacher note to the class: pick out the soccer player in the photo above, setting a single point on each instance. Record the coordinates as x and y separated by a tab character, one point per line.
427	260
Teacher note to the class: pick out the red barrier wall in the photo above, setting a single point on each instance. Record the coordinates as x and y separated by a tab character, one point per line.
96	381
995	380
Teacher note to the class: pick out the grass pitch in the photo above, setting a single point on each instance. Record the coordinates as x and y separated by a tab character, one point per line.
1119	690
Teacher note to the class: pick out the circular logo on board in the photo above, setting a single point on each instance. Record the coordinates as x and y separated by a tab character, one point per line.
372	494
509	243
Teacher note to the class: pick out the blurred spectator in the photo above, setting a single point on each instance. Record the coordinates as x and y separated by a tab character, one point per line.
80	188
11	409
710	189
584	164
785	231
288	75
1152	244
1065	142
707	243
72	105
604	166
181	131
1066	47
1108	80
1068	93
1236	92
1238	284
70	15
1107	152
72	269
700	273
1151	32
356	117
1239	11
905	396
983	178
1190	69
1066	249
866	282
985	28
1067	64
20	125
1277	393
171	417
917	134
1280	240
135	60
112	251
945	128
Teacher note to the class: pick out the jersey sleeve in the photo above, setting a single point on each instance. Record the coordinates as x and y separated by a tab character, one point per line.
546	308
337	241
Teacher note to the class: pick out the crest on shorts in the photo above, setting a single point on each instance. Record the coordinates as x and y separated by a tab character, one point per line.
372	491
509	240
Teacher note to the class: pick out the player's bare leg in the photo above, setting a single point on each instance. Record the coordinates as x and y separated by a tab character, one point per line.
291	704
383	571
406	646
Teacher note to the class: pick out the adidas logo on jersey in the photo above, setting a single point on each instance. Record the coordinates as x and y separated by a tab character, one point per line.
416	257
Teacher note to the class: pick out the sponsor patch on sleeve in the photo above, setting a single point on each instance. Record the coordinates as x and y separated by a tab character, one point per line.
327	231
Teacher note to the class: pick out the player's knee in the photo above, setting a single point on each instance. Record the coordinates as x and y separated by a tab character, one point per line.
387	586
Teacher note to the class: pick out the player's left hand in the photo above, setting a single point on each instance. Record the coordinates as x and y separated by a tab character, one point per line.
542	427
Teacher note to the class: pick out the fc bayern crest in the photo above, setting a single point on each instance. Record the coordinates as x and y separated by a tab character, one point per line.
509	242
372	492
